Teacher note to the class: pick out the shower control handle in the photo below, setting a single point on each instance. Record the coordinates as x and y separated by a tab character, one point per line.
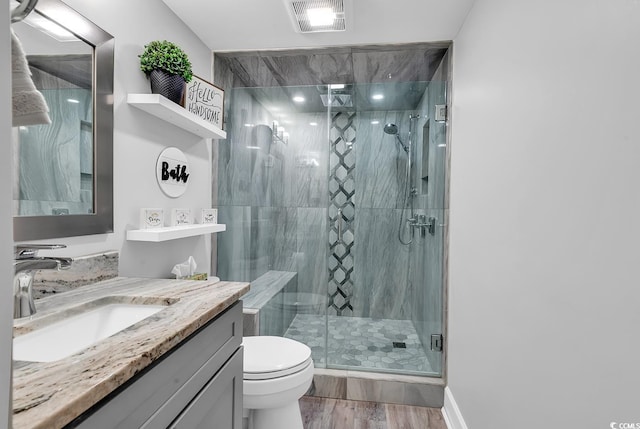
339	226
423	224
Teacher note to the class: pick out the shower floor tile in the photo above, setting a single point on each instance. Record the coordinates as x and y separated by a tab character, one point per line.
361	343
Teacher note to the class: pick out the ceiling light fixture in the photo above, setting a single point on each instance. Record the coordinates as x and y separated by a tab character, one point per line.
321	17
377	97
298	99
47	26
336	86
311	16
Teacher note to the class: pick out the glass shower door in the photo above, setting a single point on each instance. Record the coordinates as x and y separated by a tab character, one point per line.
385	245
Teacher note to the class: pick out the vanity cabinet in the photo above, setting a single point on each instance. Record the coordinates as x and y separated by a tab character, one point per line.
196	385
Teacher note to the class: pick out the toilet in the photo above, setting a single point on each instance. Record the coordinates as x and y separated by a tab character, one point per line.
277	372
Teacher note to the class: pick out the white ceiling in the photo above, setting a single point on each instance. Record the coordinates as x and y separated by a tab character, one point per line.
235	25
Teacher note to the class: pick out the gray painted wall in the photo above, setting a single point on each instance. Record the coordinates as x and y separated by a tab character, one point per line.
544	215
138	140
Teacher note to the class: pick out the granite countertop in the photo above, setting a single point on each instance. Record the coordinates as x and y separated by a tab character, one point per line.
52	394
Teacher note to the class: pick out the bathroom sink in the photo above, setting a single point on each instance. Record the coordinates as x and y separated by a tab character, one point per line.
70	335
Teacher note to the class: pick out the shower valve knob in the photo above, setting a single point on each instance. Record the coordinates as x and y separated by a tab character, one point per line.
423	224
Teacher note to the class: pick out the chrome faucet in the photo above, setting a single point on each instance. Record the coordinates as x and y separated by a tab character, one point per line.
26	263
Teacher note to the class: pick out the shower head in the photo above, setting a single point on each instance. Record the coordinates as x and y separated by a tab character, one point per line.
391	129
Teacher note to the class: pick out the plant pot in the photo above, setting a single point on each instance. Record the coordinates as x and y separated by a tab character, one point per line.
167	84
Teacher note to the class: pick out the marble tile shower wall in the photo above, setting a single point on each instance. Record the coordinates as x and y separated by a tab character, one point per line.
294	236
381	262
240	182
274	200
364	64
272	196
277	216
236	193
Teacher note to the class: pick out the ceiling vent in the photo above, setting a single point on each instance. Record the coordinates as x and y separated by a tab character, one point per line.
315	16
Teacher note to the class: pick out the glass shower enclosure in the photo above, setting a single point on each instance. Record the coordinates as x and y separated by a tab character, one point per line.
334	201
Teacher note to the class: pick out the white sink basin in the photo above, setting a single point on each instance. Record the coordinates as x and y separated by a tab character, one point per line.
68	336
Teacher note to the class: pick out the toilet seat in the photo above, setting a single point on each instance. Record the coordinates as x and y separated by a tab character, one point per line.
276	374
267	357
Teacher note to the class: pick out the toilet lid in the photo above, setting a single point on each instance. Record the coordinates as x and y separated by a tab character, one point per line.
268	357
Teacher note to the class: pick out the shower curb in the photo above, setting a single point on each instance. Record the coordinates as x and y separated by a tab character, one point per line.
378	387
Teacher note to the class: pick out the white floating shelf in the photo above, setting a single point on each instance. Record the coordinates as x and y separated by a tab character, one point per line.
163	108
173	232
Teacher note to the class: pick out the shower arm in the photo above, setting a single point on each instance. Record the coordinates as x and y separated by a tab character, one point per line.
402	145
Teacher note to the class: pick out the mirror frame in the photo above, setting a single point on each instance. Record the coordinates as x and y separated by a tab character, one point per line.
101	220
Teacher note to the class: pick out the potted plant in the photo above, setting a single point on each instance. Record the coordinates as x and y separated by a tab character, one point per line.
168	68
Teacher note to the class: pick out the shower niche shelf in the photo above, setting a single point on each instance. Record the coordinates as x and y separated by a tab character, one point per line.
173	232
163	108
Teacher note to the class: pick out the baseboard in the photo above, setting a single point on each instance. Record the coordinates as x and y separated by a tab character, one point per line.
452	415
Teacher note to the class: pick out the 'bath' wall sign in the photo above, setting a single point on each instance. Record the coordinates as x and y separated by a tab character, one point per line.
172	172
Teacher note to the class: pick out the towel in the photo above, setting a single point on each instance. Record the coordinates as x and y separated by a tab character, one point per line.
29	105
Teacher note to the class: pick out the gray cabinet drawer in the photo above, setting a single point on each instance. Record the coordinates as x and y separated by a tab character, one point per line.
219	403
161	392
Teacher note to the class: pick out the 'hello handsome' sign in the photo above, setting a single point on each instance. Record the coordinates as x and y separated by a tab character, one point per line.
205	100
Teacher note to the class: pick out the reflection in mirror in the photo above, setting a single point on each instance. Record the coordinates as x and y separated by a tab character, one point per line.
63	171
54	169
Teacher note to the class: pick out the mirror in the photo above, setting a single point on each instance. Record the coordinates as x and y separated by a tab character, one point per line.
63	171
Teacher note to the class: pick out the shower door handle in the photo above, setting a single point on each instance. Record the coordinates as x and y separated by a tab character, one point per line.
339	225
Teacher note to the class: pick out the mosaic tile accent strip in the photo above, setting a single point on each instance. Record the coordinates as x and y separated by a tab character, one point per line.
361	343
341	213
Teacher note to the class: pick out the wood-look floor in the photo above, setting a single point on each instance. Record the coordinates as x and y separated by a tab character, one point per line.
324	413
